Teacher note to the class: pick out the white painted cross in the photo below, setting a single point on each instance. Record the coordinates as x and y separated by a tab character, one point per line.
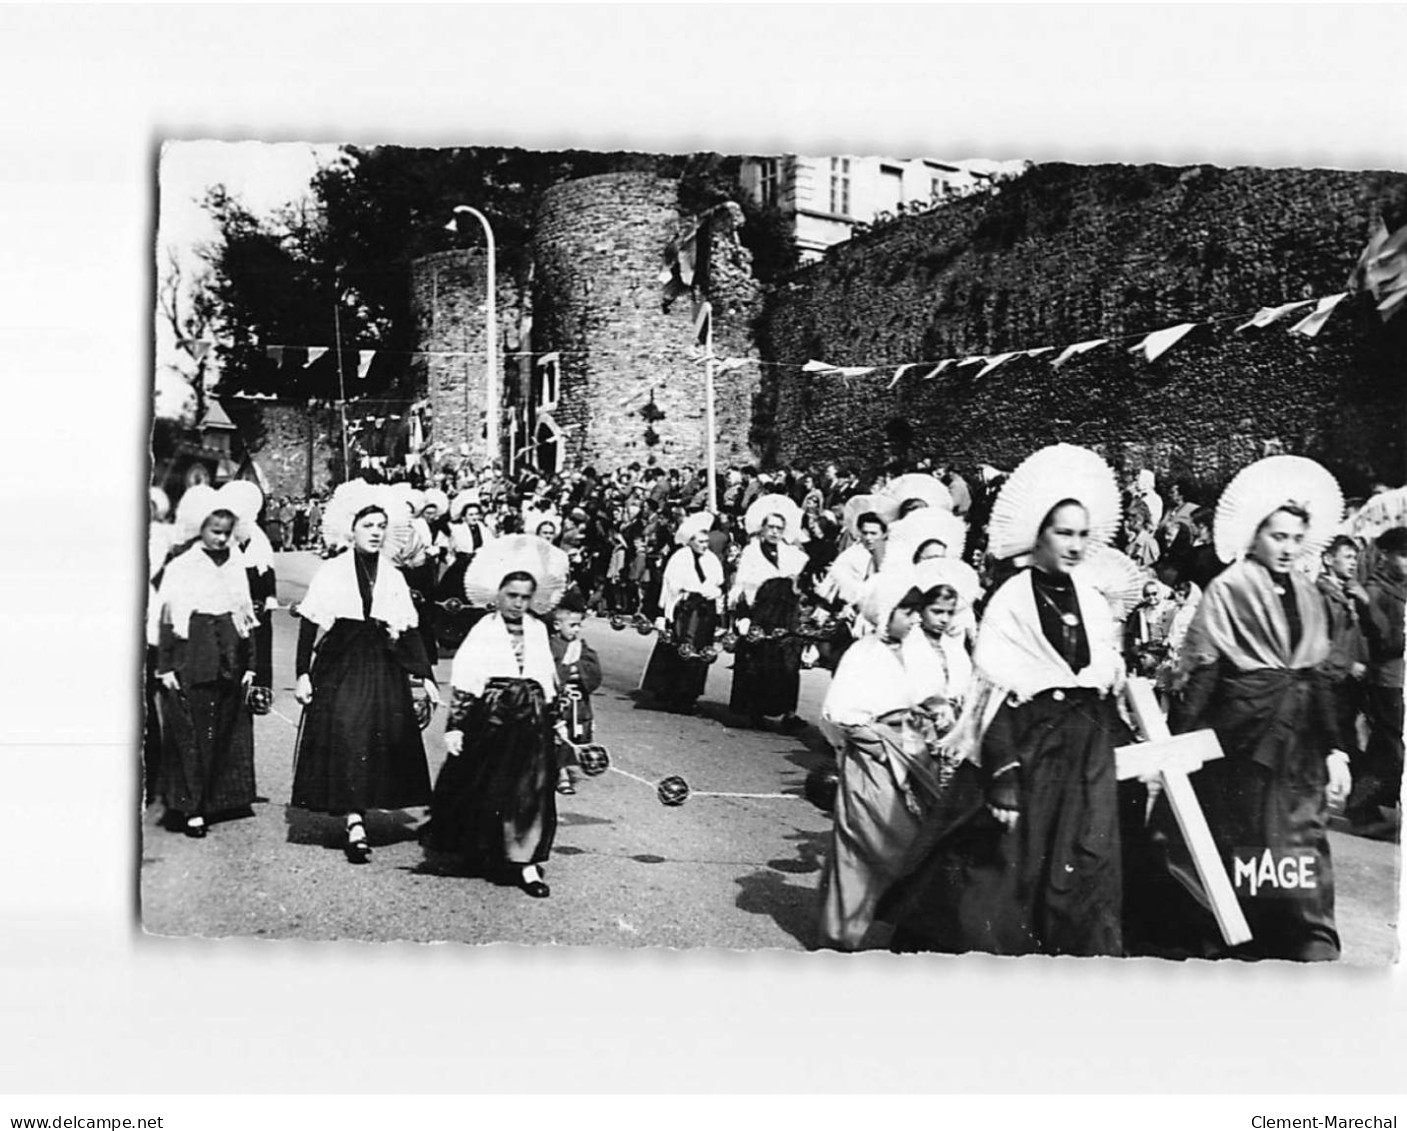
1173	758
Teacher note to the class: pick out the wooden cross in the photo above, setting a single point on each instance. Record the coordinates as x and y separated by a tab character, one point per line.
1173	758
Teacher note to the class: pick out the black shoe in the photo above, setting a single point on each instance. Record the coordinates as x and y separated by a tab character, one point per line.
358	851
195	832
793	724
535	888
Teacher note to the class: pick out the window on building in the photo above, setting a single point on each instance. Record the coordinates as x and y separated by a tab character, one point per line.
937	188
840	186
767	180
891	188
549	382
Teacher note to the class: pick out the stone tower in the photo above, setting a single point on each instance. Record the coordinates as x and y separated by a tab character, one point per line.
630	376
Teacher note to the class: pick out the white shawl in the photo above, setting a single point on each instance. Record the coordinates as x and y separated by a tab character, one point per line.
1014	660
193	583
681	577
943	668
872	680
849	573
333	596
487	653
754	569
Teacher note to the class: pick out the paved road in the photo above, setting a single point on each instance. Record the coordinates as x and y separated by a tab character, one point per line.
626	871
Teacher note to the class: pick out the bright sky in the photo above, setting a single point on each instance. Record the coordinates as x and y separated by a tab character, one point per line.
263	175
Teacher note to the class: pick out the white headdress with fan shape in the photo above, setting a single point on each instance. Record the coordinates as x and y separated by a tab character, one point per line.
883	594
953	572
198	503
882	505
511	553
1117	577
1043	479
765	506
919	486
354	496
919	527
702	521
1261	489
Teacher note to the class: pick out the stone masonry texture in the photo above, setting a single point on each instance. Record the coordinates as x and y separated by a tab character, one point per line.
1070	253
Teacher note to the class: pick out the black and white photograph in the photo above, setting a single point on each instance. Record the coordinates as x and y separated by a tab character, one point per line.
849	551
710	564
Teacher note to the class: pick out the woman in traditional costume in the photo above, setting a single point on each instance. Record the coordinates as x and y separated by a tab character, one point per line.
495	802
767	670
690	596
204	667
246	500
879	711
1022	854
359	745
1252	656
160	535
950	587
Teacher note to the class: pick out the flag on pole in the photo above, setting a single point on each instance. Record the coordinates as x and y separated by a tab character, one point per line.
703	322
1160	341
315	353
1267	315
1310	325
364	360
1078	348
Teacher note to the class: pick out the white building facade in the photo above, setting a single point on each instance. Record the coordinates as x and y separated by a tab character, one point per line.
826	197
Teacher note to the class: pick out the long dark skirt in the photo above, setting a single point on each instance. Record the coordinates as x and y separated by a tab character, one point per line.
151	732
207	758
767	673
422	583
669	678
359	744
495	803
452	628
1267	793
1050	885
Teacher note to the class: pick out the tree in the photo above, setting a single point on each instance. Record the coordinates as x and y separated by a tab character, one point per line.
188	308
279	280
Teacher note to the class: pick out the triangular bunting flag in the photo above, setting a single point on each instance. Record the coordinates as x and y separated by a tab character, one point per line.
975	359
1160	341
942	367
1392	300
275	354
1310	326
196	349
1038	351
817	367
364	360
898	373
849	371
314	354
1078	348
549	359
1269	314
728	364
995	362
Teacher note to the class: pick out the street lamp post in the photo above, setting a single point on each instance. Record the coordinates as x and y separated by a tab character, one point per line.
491	390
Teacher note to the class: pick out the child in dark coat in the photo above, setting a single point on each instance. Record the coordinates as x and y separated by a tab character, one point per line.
579	673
